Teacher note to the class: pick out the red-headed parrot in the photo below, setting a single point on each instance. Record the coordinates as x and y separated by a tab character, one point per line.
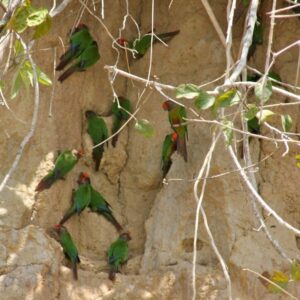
118	254
89	56
80	39
99	205
120	115
81	197
169	147
177	116
69	247
98	132
63	165
141	45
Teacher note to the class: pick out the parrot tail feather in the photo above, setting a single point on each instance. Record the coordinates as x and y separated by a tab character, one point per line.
75	272
116	223
67	73
64	60
167	36
166	167
181	147
45	183
114	140
66	217
97	156
112	273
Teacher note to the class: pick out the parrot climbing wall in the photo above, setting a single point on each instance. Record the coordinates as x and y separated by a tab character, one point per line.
159	217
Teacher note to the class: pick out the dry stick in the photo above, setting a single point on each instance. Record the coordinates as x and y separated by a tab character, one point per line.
214	21
59	8
272	282
248	162
258	198
216	92
278	82
53	84
102	9
151	43
247	40
298	70
33	121
283	9
226	173
206	165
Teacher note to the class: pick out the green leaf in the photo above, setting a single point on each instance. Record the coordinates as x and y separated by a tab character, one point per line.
43	28
251	112
144	127
16	86
295	271
18	21
43	78
188	91
228	132
280	279
298	158
18	47
204	100
263	115
286	122
263	93
36	17
274	76
229	98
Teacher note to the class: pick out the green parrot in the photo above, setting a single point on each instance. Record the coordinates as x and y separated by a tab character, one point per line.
141	45
98	132
80	39
169	147
89	56
63	165
118	254
81	197
177	114
120	115
99	205
69	247
257	38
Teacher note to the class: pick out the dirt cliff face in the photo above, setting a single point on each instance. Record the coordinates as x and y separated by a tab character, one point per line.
160	217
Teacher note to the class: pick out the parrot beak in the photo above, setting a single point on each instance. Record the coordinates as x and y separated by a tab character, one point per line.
80	153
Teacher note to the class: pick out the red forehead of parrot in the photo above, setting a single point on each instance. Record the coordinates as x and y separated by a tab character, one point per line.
166	105
121	41
81	25
174	137
57	226
83	175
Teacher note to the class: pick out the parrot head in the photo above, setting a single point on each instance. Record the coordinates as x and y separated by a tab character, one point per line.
174	137
81	26
125	236
90	113
167	105
83	178
122	42
57	227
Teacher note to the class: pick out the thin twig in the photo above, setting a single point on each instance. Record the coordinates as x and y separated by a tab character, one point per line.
273	283
258	198
33	121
